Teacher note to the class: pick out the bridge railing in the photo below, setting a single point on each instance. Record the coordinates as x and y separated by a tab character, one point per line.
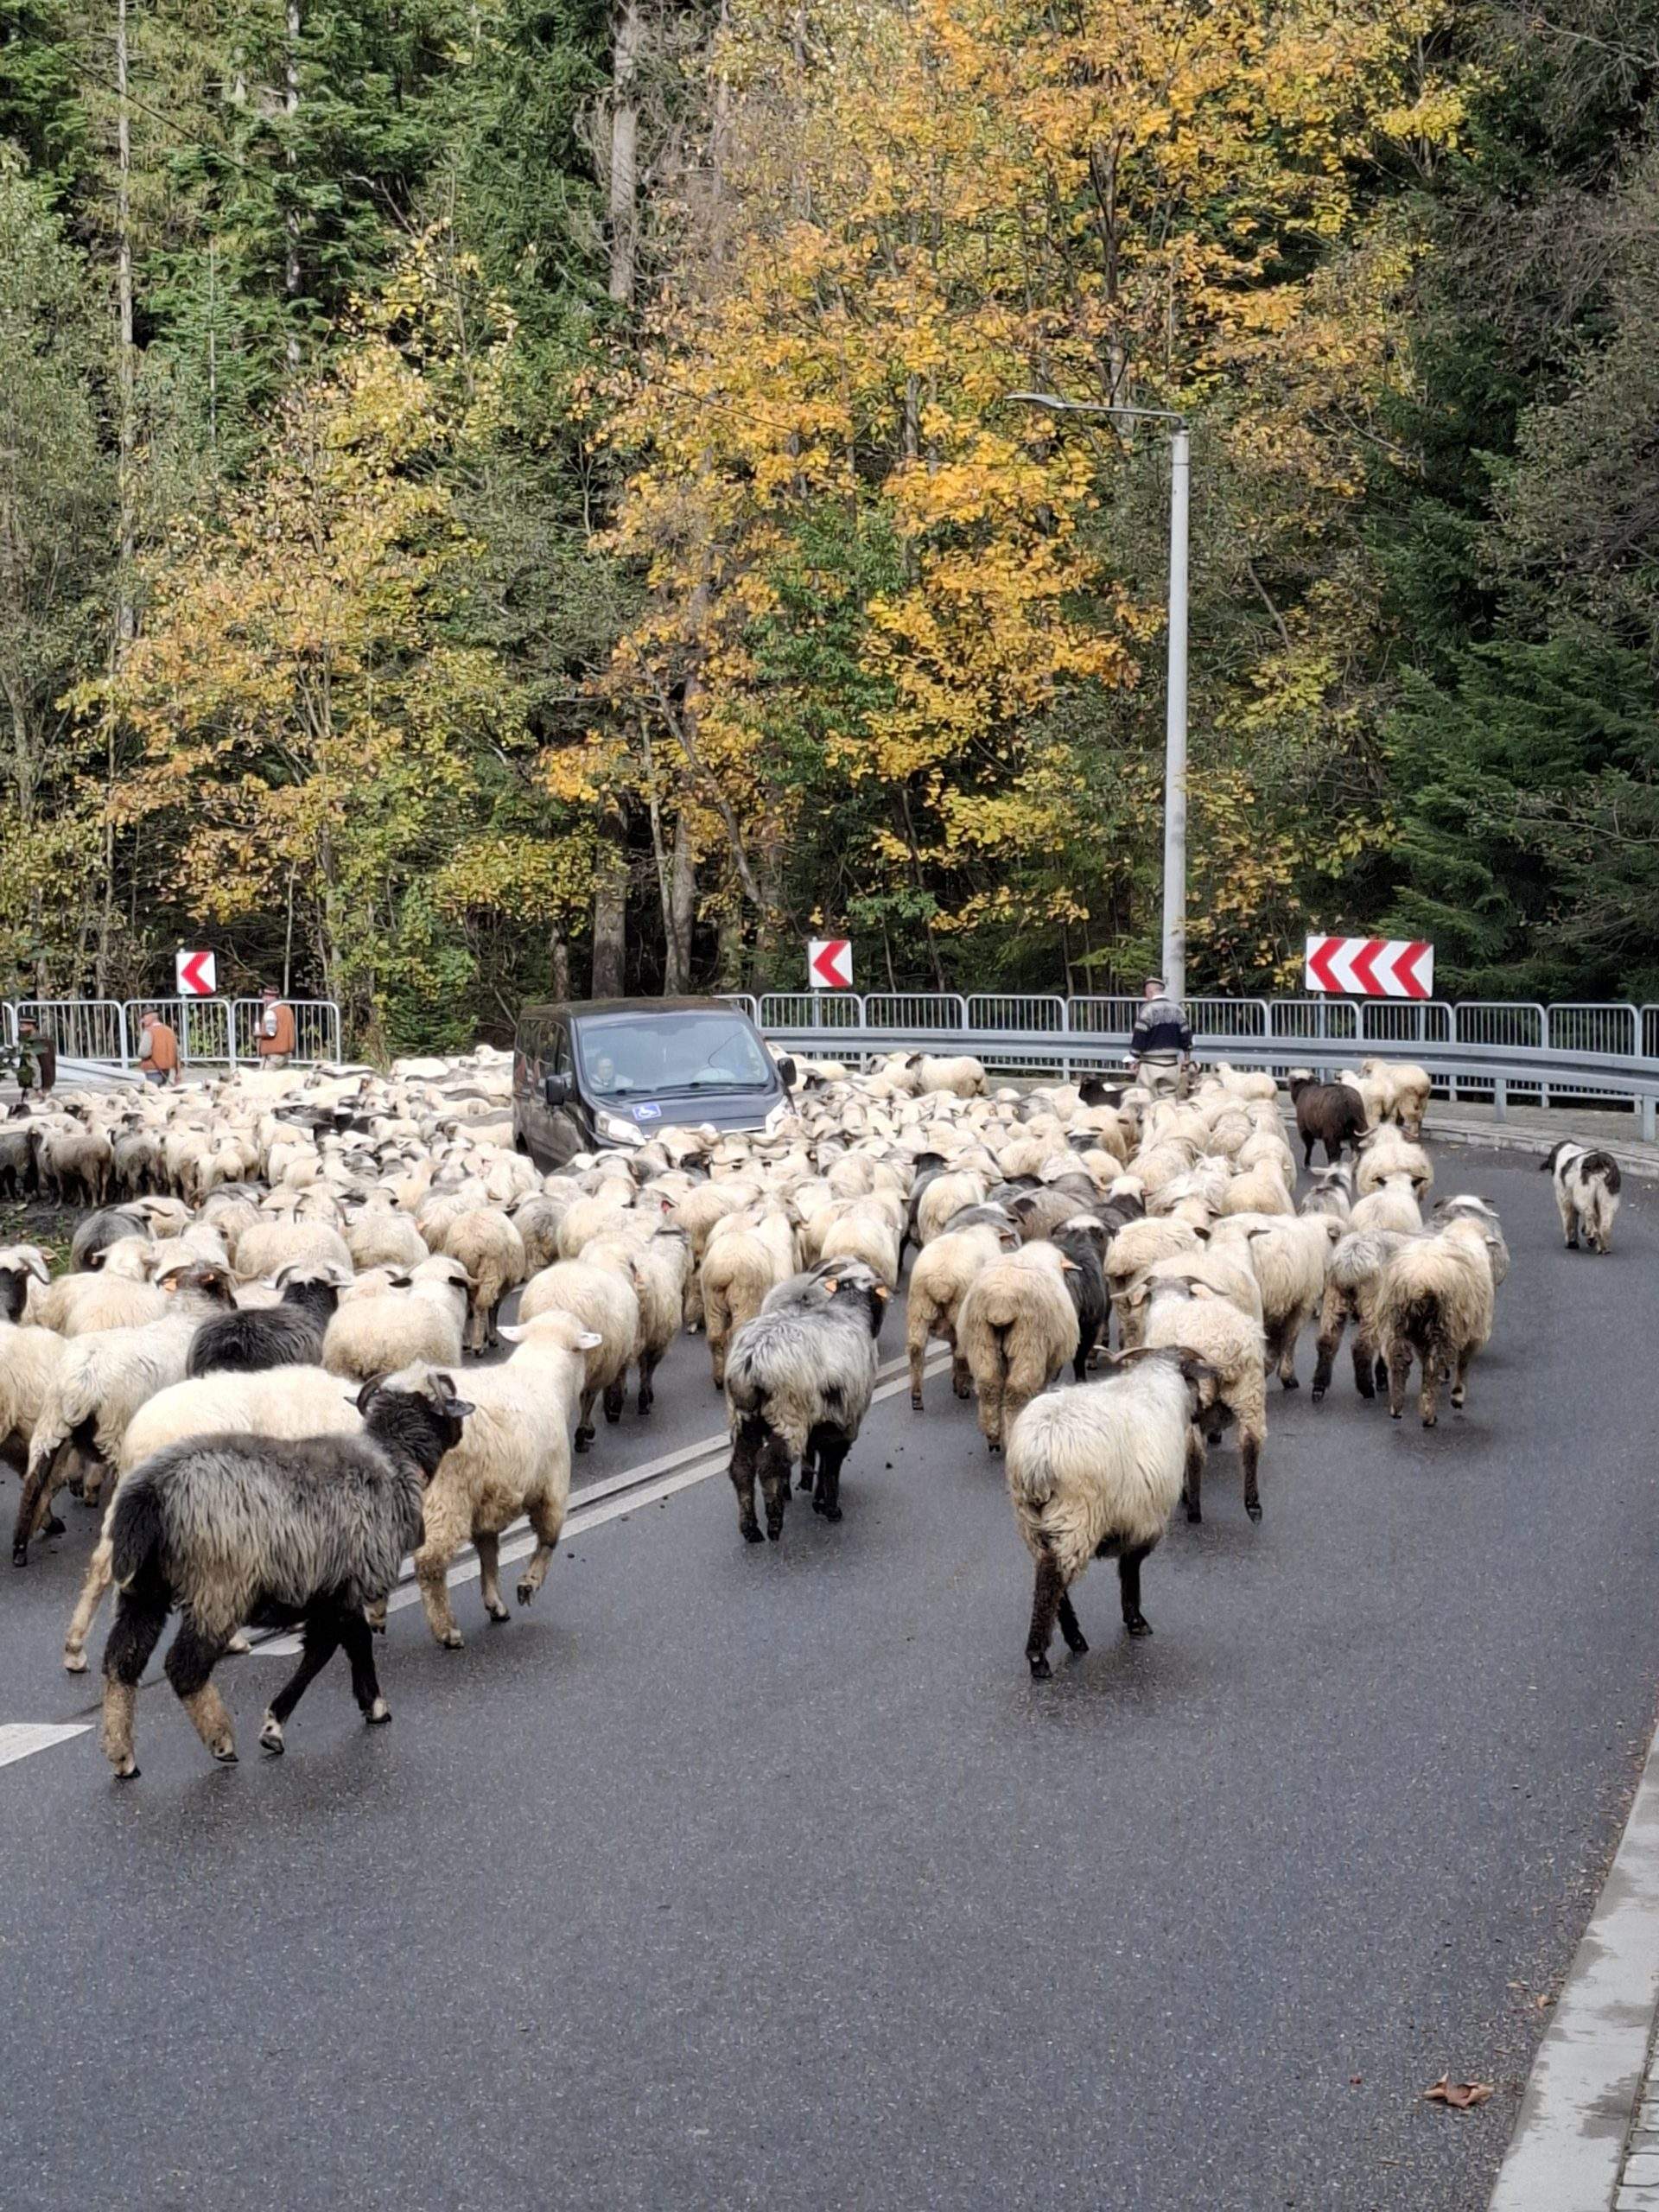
1489	1050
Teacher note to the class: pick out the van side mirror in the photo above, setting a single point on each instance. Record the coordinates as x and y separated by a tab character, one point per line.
789	1073
555	1089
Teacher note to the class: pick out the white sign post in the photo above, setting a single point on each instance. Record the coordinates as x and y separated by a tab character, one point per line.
830	963
198	974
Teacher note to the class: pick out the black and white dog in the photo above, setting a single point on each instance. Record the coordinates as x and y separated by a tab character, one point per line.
1586	1193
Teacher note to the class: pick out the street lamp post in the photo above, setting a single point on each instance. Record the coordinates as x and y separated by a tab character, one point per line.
1181	457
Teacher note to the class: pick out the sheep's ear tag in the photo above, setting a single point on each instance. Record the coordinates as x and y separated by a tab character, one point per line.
589	1340
831	1284
514	1335
883	1292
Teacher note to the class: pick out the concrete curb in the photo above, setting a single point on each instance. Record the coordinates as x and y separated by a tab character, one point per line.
1501	1136
1581	2100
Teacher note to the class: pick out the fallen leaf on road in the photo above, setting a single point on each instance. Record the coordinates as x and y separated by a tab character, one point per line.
1459	2094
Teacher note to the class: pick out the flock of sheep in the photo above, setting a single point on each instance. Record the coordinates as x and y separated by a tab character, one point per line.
256	1347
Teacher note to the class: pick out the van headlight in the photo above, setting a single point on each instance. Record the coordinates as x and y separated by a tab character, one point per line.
616	1128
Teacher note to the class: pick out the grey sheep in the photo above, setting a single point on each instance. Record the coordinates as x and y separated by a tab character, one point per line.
228	1528
798	1382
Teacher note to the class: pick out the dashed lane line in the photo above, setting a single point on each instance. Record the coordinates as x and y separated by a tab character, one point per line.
20	1739
606	1501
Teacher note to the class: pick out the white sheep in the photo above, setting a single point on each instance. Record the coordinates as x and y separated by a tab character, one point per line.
747	1256
1191	1318
1435	1303
1016	1328
604	1302
513	1456
491	1251
368	1336
97	1386
1392	1204
1094	1473
654	1262
1289	1253
1384	1152
939	1280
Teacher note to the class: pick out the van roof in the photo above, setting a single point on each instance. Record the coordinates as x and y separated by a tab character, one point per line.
569	1009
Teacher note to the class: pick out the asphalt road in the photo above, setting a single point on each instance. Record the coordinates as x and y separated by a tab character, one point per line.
733	1878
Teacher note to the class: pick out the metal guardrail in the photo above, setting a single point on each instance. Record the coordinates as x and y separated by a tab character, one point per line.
1475	1049
102	1034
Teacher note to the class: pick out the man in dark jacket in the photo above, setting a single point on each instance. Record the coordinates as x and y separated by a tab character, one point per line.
1162	1041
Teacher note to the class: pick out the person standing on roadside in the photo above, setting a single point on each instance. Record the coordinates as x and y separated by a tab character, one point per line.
37	1058
276	1033
159	1049
1161	1045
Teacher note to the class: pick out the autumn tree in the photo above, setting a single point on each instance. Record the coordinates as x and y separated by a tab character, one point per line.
924	208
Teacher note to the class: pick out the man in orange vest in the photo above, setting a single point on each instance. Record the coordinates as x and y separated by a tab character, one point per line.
160	1061
276	1037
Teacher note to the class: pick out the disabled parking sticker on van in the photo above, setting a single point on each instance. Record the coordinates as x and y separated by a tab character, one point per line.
647	1113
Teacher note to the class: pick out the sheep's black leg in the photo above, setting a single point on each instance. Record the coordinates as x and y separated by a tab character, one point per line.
1365	1365
1307	1155
1044	1610
1193	1488
1129	1585
140	1617
321	1637
1399	1371
647	1391
584	1435
191	1658
1249	1451
773	1469
830	1448
1076	1642
360	1654
746	1453
613	1401
33	1509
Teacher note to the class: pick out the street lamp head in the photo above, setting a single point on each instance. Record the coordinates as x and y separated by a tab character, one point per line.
1051	403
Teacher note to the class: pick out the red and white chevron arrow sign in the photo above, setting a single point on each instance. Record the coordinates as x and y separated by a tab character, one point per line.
1371	966
830	963
197	974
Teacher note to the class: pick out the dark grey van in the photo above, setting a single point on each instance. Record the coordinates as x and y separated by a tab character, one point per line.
597	1073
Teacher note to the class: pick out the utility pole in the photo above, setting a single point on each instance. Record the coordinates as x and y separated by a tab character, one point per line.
1180	458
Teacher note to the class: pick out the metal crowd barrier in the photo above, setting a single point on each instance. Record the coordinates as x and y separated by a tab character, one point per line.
102	1034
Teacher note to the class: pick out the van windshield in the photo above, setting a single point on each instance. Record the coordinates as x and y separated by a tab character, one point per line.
668	1055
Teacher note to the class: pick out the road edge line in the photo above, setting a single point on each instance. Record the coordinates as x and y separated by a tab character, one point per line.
1566	2151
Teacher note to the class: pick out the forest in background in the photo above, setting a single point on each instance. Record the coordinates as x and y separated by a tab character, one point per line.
499	501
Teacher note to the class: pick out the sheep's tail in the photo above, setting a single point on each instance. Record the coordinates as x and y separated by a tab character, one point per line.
1421	1324
135	1532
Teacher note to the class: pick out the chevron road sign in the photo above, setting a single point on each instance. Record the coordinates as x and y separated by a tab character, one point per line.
830	963
1371	966
196	973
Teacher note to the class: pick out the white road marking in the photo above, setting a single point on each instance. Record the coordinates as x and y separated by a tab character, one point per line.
19	1738
594	1506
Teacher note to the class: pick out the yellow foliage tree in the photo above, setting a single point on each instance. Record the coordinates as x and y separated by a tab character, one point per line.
313	726
913	207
